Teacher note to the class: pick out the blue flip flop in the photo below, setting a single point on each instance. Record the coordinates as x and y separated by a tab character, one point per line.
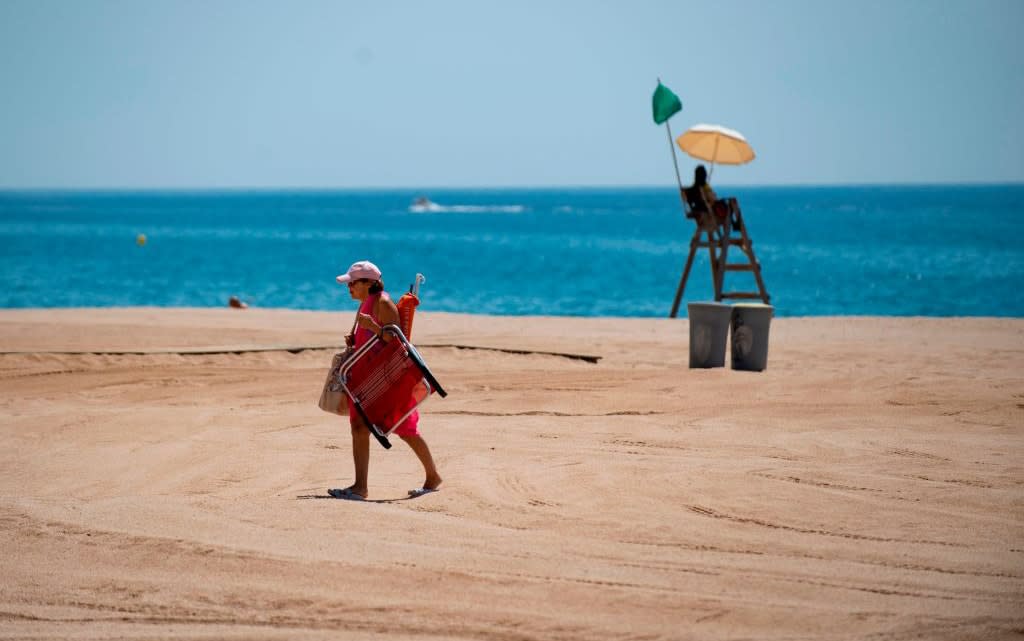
346	494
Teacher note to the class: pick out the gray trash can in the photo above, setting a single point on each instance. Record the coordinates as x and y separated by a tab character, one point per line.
709	331
750	323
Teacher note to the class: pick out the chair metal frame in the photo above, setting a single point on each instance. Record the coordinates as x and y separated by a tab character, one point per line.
375	386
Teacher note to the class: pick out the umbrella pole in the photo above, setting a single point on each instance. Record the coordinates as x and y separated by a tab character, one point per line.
714	156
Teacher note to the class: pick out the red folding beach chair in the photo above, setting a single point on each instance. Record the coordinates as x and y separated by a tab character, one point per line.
386	382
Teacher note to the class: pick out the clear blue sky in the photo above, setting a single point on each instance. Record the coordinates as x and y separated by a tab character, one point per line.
181	94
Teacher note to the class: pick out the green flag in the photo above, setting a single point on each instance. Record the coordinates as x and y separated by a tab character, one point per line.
665	103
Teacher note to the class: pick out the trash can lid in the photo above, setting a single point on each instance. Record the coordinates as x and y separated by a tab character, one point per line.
753	309
707	304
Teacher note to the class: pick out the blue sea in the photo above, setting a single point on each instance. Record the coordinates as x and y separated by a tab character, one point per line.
874	250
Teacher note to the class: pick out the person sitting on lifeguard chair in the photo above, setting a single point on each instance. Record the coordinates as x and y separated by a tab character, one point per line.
700	198
705	207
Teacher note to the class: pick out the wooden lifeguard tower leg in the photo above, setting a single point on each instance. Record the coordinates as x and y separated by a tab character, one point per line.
696	243
719	266
717	258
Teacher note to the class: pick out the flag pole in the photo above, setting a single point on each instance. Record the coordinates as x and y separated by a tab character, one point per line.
682	196
682	200
675	162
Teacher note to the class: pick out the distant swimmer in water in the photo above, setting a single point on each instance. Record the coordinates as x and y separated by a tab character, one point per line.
423	204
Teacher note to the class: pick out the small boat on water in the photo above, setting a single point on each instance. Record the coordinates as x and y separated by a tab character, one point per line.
424	204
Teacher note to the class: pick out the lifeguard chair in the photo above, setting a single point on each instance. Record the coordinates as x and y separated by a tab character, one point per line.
719	226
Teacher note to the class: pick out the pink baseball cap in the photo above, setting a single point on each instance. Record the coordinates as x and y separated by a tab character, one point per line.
360	269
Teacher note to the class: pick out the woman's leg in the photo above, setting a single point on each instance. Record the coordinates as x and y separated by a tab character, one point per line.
419	446
360	456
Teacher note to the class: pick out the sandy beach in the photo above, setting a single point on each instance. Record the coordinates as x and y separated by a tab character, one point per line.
159	481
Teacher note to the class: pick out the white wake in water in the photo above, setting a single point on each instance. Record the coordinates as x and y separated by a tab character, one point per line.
429	207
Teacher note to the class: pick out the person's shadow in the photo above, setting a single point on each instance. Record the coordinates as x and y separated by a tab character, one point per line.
306	497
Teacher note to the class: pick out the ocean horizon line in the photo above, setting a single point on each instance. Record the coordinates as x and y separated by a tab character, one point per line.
489	188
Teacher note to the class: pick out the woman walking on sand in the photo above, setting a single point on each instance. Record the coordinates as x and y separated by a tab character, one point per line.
377	310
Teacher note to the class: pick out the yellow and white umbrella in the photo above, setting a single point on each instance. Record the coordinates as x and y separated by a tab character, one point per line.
716	144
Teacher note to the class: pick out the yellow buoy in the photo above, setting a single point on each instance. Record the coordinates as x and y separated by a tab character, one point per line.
140	240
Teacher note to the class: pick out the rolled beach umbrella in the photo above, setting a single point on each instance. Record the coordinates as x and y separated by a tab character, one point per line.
716	144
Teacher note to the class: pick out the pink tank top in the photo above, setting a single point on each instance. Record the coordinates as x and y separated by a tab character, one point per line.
369	306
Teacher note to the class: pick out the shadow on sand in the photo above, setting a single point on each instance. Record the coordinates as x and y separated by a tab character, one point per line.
305	497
